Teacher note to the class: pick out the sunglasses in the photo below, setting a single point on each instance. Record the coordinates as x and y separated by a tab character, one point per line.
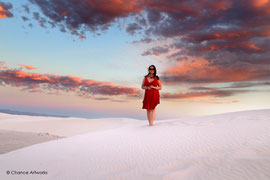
151	69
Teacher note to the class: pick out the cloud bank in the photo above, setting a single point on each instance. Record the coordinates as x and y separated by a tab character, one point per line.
207	41
53	84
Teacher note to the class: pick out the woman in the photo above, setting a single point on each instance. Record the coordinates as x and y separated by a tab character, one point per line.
151	83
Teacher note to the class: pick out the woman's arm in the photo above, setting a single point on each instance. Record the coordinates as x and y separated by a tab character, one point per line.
159	85
144	87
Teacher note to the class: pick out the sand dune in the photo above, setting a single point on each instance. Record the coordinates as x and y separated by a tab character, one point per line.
60	126
12	140
231	146
18	131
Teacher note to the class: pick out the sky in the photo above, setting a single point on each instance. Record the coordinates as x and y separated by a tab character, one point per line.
88	58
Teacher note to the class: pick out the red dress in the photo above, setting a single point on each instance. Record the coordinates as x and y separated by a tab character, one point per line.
151	96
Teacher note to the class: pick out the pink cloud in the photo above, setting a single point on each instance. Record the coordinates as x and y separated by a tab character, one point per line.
27	66
35	82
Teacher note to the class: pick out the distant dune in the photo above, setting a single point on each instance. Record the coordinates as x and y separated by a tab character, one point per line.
12	140
7	111
228	146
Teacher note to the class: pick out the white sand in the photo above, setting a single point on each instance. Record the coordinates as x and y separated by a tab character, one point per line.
18	131
230	146
60	126
12	140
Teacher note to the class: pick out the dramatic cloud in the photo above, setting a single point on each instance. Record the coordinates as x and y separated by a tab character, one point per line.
78	16
156	51
86	88
201	71
4	10
2	65
202	94
223	32
225	41
248	84
211	41
27	66
132	28
35	82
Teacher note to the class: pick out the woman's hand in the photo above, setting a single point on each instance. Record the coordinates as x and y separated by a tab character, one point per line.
152	87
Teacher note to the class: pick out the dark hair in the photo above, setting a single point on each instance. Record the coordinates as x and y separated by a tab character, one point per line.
154	72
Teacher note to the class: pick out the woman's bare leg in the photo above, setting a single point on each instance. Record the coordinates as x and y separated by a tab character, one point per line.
151	121
148	115
153	114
